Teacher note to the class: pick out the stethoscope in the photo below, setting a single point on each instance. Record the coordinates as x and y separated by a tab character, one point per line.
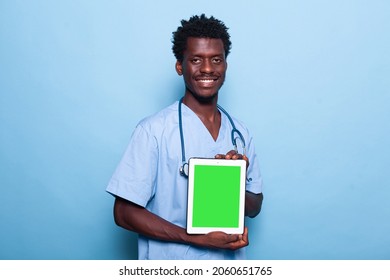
184	167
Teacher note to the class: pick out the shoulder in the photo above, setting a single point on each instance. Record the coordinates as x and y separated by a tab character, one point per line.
160	120
239	124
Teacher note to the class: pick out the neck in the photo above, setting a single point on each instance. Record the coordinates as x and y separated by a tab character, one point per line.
207	112
206	109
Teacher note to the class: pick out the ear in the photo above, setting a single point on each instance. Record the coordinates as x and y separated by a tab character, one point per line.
179	68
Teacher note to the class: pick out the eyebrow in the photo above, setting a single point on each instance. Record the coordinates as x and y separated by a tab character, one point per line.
206	55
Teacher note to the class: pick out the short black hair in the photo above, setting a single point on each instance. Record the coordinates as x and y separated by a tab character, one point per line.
199	27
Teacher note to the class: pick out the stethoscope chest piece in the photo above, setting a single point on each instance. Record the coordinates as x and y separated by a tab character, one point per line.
184	169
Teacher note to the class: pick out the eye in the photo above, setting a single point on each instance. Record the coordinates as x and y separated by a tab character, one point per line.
217	60
196	60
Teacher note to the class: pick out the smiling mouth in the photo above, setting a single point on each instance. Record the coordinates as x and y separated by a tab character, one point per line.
207	80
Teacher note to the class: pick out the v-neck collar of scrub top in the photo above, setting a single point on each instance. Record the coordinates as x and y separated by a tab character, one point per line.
222	128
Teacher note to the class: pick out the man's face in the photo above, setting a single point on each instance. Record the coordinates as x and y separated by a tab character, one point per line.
203	67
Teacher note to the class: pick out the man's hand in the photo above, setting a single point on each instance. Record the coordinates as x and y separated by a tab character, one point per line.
232	154
221	240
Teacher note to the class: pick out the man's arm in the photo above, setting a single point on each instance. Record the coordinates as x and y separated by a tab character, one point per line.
138	219
253	204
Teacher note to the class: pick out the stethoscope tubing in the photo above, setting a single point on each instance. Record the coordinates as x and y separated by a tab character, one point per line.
234	139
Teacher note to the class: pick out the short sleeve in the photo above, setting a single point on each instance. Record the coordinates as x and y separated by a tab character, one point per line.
135	176
254	179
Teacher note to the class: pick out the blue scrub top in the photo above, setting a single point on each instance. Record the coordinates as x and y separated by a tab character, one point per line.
148	174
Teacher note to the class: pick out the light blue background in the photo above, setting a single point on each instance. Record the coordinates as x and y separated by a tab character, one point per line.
309	78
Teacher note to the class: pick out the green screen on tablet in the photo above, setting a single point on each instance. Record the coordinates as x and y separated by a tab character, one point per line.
216	195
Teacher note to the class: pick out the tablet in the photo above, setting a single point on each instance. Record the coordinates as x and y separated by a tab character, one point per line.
216	195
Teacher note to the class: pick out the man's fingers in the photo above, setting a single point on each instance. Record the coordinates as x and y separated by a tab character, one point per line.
245	235
231	154
244	157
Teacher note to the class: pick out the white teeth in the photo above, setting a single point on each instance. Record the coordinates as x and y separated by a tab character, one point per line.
206	81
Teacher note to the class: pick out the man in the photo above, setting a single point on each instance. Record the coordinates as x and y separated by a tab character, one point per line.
151	194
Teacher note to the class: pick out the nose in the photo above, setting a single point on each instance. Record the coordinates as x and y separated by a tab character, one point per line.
207	66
